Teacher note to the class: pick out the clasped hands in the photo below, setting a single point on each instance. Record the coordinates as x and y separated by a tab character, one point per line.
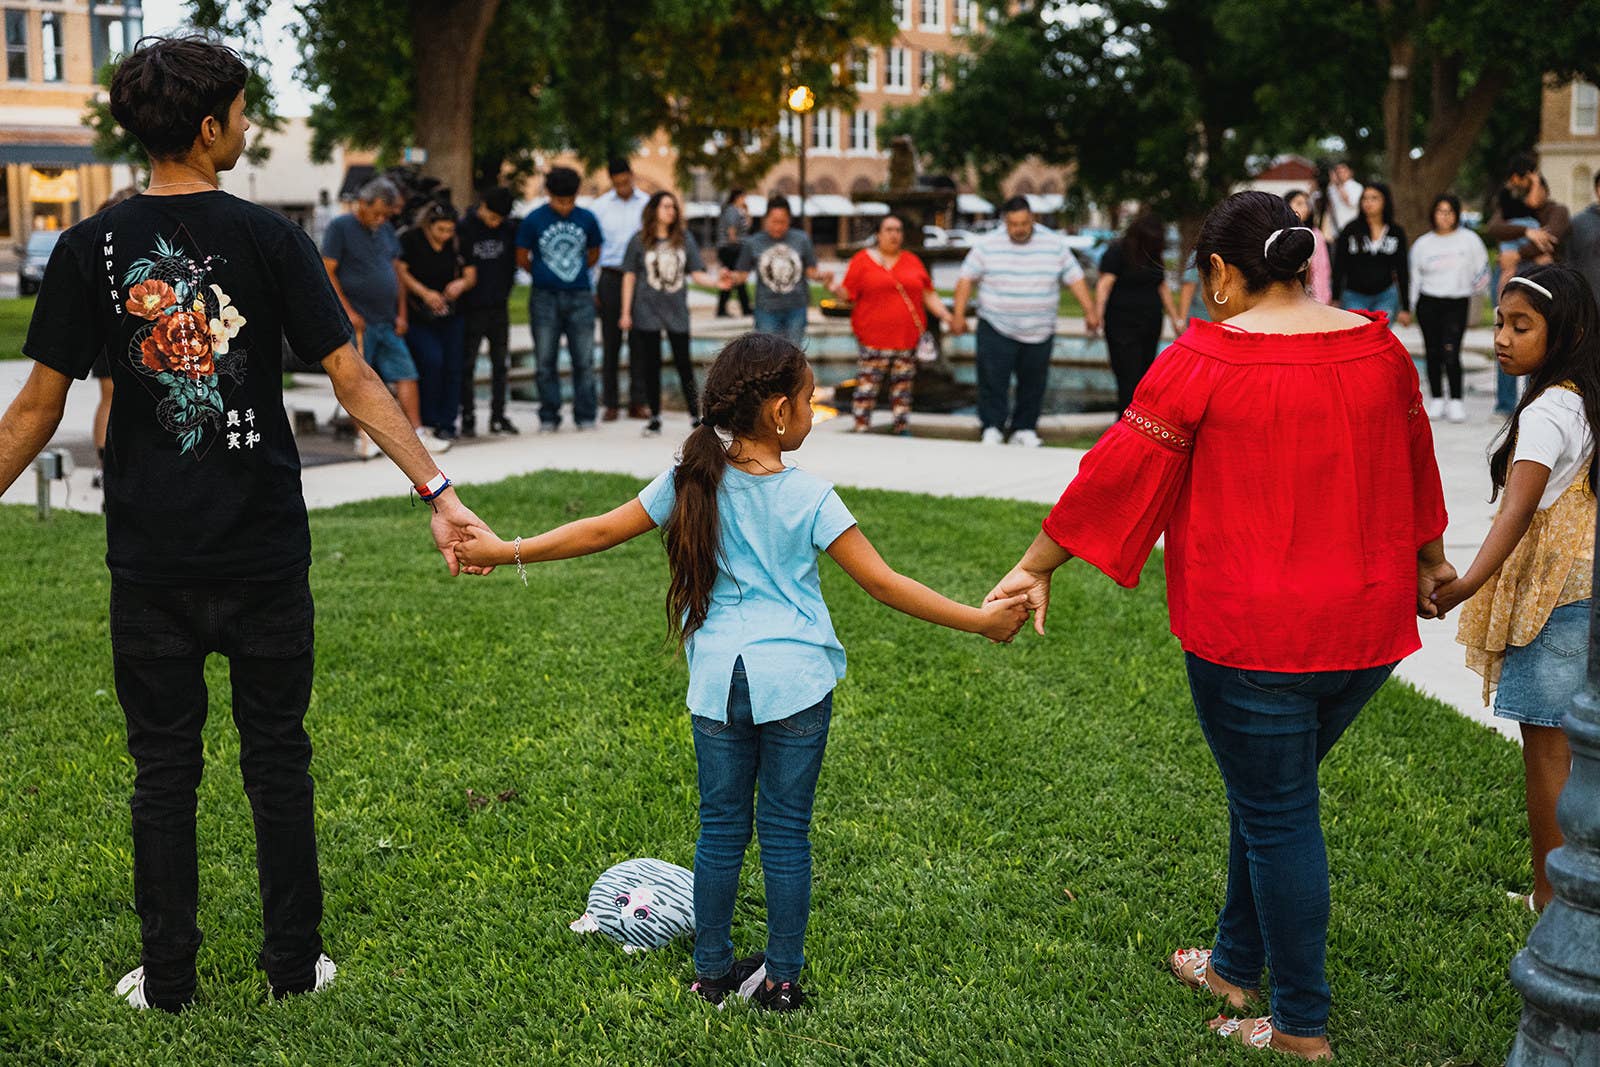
460	536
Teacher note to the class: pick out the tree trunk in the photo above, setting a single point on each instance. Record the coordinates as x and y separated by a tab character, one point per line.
446	45
1453	128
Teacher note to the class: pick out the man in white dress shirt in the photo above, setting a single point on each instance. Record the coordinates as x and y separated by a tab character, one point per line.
619	212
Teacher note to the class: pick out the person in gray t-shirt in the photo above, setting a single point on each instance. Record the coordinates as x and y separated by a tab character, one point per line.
782	260
656	266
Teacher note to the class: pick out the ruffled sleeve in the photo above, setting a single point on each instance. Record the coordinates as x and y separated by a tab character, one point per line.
1129	483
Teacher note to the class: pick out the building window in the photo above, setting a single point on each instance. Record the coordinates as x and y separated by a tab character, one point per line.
1585	108
825	130
966	15
864	131
897	72
864	67
931	14
902	13
111	36
50	47
789	129
16	45
930	71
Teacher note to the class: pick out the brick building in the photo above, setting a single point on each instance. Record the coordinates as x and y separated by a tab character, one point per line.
1569	142
49	176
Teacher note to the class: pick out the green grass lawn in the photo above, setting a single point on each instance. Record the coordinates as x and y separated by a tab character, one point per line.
1008	840
14	315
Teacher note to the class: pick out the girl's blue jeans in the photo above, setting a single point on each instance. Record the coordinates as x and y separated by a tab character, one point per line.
767	774
1268	732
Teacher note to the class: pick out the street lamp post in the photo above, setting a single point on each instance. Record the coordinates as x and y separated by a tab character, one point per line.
1558	973
801	101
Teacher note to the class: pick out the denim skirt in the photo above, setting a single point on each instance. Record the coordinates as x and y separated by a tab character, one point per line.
1539	680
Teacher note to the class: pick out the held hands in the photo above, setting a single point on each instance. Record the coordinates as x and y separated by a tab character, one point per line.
958	324
480	548
1433	580
1034	589
1405	318
1450	595
450	523
1003	618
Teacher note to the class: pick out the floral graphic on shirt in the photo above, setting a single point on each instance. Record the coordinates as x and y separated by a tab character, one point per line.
184	343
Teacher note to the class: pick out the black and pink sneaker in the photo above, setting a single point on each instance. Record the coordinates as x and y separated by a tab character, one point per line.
784	996
748	975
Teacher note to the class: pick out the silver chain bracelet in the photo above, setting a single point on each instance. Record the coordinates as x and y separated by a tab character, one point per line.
516	554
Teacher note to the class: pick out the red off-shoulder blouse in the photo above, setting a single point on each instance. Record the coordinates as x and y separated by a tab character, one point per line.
1294	478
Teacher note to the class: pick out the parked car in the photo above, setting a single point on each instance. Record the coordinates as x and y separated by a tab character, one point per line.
35	254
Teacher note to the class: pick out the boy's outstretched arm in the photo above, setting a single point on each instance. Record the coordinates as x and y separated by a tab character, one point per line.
584	537
998	621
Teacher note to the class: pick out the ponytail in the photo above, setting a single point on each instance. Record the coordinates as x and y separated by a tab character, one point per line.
691	531
749	371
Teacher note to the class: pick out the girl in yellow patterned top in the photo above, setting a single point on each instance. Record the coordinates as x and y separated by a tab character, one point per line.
1526	626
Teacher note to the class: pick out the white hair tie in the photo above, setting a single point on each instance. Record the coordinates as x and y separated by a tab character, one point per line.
1535	286
1266	249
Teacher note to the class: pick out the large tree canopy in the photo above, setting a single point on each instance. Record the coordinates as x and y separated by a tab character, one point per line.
1166	103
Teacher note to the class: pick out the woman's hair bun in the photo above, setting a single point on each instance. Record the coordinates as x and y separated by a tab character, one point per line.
1288	251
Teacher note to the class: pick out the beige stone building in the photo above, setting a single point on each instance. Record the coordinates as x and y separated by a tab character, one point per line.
1569	142
844	154
50	177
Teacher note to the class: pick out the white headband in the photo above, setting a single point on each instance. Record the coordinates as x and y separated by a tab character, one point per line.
1275	234
1535	286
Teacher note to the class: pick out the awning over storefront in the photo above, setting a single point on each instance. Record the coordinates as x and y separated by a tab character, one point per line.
973	204
1045	203
48	155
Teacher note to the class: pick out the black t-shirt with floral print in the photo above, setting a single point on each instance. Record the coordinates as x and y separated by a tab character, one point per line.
191	297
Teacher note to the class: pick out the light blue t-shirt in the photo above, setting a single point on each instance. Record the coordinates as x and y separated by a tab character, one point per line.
766	604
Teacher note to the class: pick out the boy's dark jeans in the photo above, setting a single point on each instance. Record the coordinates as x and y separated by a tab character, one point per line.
160	636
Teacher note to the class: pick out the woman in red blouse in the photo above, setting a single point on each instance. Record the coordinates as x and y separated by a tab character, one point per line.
1284	453
893	297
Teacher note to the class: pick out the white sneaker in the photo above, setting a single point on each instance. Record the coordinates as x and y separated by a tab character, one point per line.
432	443
131	989
1026	439
366	447
1457	412
993	436
1436	408
326	971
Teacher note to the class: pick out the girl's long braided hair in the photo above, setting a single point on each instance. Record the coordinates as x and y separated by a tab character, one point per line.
1572	354
749	371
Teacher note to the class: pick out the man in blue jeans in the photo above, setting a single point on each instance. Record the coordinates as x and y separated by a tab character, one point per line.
1021	268
557	244
782	260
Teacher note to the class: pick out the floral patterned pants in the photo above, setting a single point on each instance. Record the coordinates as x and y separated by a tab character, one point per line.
901	368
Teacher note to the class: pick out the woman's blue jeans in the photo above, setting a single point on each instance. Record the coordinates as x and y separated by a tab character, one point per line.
766	772
439	348
1268	732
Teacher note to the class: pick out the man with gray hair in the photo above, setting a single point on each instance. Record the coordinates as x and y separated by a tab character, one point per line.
362	255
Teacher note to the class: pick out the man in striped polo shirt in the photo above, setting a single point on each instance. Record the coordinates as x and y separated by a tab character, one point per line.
1022	269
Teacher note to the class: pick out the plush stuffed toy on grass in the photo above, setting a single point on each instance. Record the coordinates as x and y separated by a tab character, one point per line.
643	903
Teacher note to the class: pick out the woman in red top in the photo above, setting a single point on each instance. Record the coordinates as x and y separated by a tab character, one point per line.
1284	452
893	298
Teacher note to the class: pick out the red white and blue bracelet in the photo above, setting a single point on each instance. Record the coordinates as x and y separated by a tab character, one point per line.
430	491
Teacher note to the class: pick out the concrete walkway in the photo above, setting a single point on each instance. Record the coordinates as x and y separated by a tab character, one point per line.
940	467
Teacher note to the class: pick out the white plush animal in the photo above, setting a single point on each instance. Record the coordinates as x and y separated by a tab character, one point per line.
643	903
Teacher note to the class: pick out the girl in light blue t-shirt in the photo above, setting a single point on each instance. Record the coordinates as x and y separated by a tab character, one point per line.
742	532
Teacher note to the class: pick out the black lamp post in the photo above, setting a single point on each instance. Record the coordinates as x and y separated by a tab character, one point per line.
801	101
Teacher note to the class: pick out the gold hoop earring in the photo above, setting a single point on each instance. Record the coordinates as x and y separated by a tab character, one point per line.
1218	298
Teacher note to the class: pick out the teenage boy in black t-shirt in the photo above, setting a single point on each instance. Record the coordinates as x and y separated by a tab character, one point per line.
190	293
488	237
